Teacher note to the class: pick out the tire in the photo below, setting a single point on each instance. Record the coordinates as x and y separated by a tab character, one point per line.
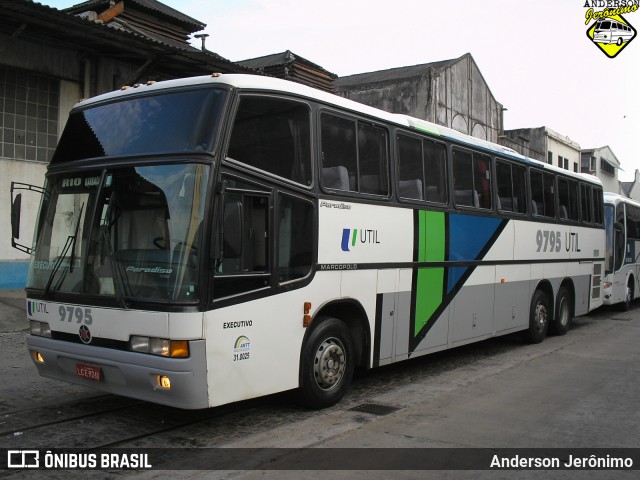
564	312
327	364
539	316
628	298
619	42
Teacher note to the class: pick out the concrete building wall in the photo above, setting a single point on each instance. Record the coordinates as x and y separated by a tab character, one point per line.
405	96
563	150
451	93
592	164
464	102
610	184
530	142
545	145
634	192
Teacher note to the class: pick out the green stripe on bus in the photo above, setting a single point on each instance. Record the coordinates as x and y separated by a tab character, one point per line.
430	282
424	126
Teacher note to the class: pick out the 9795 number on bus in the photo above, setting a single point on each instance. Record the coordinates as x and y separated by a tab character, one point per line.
79	314
548	241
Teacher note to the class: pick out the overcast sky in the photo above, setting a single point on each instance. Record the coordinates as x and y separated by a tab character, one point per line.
534	54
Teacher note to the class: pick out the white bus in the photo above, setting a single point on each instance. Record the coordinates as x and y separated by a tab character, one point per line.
609	31
622	223
208	240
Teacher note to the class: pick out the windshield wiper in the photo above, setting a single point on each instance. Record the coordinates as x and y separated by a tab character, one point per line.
70	243
72	256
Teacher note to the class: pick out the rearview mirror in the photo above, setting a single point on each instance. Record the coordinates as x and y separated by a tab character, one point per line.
16	207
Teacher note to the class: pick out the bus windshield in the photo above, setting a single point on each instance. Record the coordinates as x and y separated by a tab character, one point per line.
609	212
169	123
132	232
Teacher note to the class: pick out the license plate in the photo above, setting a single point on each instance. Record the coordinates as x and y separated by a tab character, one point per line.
89	371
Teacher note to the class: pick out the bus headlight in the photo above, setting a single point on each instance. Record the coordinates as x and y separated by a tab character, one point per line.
159	346
41	329
607	285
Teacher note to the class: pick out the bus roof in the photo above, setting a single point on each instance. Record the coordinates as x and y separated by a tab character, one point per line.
270	84
615	198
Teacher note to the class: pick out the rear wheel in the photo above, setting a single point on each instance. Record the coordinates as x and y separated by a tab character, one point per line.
564	312
539	315
327	364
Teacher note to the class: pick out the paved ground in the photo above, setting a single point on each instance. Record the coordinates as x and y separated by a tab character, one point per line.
12	311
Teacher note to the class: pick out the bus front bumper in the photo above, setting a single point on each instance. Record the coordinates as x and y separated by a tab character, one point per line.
129	374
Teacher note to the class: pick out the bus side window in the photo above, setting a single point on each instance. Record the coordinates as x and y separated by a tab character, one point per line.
519	175
537	198
435	162
598	216
574	207
564	204
549	196
471	179
542	194
354	155
273	134
339	154
295	237
505	187
410	168
512	190
585	202
373	159
244	265
633	222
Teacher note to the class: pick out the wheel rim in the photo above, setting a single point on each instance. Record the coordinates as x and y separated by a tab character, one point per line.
330	364
629	295
540	318
563	312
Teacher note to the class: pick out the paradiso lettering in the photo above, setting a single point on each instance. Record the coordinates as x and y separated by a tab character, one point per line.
610	31
351	237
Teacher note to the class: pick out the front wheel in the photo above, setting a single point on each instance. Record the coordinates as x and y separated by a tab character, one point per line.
327	364
539	315
564	312
628	297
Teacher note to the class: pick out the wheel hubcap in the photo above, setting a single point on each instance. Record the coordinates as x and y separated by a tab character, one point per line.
541	316
330	364
564	312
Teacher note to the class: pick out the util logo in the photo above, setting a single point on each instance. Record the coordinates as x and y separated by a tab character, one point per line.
350	237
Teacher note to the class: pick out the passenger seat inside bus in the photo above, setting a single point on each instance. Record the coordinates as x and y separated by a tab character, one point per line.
468	198
336	178
410	189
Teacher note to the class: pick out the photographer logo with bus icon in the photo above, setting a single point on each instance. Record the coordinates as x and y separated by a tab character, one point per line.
609	30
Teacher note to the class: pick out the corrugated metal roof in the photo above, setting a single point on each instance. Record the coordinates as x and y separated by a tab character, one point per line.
284	58
394	74
91	34
151	5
